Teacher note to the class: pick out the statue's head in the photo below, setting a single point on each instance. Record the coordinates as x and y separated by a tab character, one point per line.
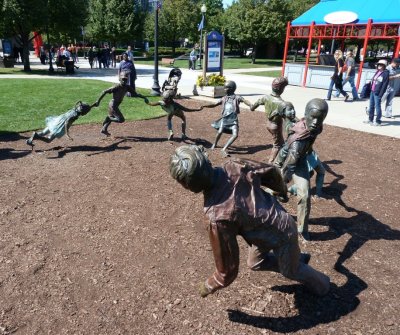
190	167
286	109
279	84
230	87
315	114
123	78
83	108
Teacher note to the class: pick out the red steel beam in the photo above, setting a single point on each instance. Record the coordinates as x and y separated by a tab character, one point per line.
310	36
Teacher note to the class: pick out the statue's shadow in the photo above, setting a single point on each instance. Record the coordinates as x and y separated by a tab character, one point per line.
90	149
312	310
10	153
197	141
249	149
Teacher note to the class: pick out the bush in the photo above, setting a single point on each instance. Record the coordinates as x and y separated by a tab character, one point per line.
211	80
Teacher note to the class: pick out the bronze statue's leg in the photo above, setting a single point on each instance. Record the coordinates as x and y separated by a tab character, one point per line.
302	180
290	266
169	125
40	136
106	123
267	261
275	130
183	127
219	134
232	139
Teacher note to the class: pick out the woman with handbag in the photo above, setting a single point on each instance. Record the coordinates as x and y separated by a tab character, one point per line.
337	78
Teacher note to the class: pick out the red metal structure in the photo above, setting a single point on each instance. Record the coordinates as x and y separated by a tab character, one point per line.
366	31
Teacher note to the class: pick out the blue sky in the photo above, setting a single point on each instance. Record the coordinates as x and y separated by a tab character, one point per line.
227	3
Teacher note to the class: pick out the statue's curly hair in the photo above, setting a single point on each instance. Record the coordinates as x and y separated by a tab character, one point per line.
190	166
279	84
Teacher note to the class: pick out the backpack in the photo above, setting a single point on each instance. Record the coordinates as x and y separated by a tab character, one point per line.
366	91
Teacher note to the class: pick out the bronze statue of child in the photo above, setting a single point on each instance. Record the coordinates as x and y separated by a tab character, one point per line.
173	109
236	204
58	126
292	158
313	162
271	103
229	122
118	93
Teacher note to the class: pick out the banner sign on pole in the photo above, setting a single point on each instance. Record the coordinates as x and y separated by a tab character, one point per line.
214	52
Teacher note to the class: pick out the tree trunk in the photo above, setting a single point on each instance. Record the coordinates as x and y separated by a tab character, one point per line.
253	55
25	45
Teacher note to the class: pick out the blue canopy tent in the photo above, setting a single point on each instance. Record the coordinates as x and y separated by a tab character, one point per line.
369	20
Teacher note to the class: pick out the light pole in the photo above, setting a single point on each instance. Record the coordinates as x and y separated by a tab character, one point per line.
203	10
155	89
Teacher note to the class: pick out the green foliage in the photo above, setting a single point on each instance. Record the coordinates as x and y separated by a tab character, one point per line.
251	21
211	80
298	7
176	20
26	103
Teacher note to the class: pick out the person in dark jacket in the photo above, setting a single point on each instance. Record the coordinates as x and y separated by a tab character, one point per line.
380	82
337	77
235	204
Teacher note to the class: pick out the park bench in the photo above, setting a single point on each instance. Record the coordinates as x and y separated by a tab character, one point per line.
167	61
67	65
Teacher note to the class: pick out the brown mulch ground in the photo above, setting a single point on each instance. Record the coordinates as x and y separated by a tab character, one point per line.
97	238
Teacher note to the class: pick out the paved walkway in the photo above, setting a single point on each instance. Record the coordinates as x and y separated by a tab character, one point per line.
342	114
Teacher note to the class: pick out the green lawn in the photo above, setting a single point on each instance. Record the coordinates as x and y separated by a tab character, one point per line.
25	103
229	63
273	74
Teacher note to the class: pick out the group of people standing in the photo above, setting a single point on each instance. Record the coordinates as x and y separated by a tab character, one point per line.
104	57
347	69
383	86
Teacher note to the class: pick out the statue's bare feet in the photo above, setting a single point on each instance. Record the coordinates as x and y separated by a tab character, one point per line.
225	153
30	143
105	132
318	197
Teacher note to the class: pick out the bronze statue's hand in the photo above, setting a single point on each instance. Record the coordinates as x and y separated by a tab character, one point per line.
203	290
146	100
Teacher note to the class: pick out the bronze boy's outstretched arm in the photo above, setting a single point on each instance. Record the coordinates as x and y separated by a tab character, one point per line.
153	103
248	103
97	103
213	105
187	109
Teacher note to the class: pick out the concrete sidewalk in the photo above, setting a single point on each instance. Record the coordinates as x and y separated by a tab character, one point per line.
342	114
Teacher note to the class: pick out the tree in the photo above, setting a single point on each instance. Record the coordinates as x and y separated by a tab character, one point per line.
251	22
177	19
116	20
298	7
22	18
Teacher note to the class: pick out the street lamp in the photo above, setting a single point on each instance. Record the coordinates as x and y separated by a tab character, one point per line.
203	10
155	89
